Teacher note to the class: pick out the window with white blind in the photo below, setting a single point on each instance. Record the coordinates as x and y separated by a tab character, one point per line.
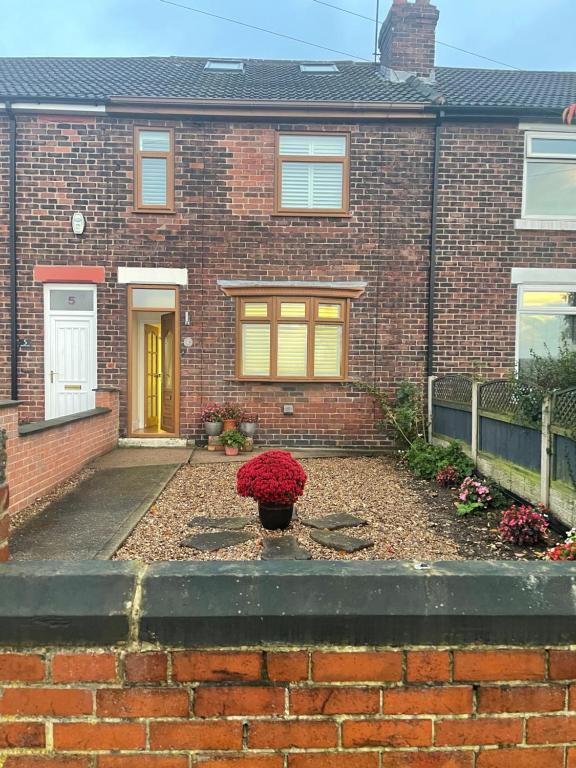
312	174
292	338
154	170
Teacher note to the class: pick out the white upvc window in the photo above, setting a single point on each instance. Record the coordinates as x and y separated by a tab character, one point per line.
546	321
549	176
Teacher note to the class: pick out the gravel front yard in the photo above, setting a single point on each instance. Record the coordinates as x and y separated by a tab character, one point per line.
407	519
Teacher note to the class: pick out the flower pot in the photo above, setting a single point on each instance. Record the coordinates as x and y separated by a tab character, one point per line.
275	517
248	428
231	450
228	424
212	428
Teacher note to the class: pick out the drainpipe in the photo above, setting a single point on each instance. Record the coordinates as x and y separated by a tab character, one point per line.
12	254
433	244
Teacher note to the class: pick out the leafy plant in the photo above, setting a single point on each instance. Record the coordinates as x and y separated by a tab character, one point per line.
448	476
232	412
402	412
565	551
232	438
524	525
211	412
427	460
473	496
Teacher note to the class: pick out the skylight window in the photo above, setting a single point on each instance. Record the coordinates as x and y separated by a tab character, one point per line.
318	68
225	66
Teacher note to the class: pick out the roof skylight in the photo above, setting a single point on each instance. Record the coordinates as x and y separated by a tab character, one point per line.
225	66
318	67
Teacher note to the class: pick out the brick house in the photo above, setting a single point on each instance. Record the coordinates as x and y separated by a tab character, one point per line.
188	230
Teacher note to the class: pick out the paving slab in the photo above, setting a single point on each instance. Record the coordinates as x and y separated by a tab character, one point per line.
340	542
211	542
283	548
334	522
142	457
93	520
236	523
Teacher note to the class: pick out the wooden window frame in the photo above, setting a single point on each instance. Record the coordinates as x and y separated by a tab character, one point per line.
343	160
139	207
274	319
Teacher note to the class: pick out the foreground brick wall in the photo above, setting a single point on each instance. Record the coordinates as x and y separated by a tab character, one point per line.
414	708
40	460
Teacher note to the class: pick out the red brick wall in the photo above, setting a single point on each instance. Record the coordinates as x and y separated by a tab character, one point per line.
41	460
389	708
480	197
224	228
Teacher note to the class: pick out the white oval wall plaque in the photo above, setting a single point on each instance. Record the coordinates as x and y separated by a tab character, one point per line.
188	342
78	222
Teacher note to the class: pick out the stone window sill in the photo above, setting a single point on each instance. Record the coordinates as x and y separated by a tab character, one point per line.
546	224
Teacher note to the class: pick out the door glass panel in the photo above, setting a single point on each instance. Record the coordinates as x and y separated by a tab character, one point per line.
71	301
293	309
292	350
153	298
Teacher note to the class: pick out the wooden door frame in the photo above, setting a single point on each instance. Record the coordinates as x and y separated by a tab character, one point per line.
164	311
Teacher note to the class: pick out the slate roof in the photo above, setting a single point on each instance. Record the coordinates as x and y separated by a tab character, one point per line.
98	79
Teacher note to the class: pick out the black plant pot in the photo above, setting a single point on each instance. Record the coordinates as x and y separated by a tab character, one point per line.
275	517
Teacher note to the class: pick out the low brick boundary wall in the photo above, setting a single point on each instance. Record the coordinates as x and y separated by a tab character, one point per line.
41	455
87	683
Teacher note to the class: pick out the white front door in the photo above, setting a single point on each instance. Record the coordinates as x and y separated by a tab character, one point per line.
69	349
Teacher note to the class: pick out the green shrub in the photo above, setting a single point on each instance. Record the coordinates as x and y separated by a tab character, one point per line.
427	460
402	412
539	377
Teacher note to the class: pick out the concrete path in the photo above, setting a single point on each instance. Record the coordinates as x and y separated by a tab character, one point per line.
93	520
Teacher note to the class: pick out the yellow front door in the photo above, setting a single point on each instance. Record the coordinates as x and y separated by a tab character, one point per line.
151	376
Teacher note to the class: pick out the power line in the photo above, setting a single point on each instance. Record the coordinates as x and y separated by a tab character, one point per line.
446	45
262	29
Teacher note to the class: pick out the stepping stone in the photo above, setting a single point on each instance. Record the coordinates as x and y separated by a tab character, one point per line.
340	541
226	523
334	522
210	542
283	548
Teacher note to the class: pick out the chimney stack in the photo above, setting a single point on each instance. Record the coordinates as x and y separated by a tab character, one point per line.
407	39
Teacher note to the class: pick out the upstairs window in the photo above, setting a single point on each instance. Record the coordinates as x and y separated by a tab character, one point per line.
224	66
154	170
312	174
550	176
546	322
318	68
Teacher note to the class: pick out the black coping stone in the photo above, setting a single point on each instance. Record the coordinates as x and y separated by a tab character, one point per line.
66	603
283	548
334	522
41	426
340	542
211	542
288	603
236	523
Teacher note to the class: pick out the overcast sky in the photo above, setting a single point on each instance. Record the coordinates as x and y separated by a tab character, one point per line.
528	34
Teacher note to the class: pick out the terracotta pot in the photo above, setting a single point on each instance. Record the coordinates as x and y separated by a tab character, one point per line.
231	450
275	517
212	428
228	424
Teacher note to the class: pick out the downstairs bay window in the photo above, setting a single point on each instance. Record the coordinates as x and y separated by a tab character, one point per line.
284	338
546	322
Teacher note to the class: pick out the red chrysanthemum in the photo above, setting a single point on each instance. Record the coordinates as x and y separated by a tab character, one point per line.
272	477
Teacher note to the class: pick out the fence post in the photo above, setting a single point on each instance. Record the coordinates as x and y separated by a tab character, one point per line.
546	451
474	442
431	380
